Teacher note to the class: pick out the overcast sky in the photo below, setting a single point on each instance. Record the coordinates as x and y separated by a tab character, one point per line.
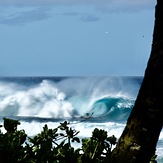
75	37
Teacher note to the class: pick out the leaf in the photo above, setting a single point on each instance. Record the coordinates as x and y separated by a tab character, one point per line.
61	134
62	143
10	125
112	140
76	139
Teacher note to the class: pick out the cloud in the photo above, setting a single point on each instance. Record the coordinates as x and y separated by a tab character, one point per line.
102	4
89	18
21	17
130	5
20	12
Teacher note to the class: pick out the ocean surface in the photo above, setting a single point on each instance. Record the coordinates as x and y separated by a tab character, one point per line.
87	102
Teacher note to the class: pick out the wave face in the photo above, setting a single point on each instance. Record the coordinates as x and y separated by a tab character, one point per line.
68	97
111	108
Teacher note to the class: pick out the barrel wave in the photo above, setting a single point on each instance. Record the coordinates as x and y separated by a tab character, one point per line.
67	97
113	108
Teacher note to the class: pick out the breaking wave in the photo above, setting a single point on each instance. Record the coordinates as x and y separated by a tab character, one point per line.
68	98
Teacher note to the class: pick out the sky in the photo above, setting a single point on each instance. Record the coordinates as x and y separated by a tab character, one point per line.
75	37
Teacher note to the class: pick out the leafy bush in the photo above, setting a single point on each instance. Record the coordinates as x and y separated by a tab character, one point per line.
53	145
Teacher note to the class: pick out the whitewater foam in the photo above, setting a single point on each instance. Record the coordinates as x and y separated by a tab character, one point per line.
67	98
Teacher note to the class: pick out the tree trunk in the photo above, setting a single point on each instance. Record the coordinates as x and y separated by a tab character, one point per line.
139	138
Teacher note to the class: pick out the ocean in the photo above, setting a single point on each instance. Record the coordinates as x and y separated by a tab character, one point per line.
86	102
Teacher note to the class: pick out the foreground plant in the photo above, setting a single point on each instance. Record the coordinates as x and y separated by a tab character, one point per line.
53	145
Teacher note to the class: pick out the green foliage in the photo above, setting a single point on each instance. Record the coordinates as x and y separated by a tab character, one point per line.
54	145
153	159
98	147
11	143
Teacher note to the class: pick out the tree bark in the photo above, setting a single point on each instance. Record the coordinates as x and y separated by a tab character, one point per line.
139	138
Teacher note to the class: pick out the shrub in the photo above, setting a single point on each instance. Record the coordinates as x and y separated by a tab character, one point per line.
53	145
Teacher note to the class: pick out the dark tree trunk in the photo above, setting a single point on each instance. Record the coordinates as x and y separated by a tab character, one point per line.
139	138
